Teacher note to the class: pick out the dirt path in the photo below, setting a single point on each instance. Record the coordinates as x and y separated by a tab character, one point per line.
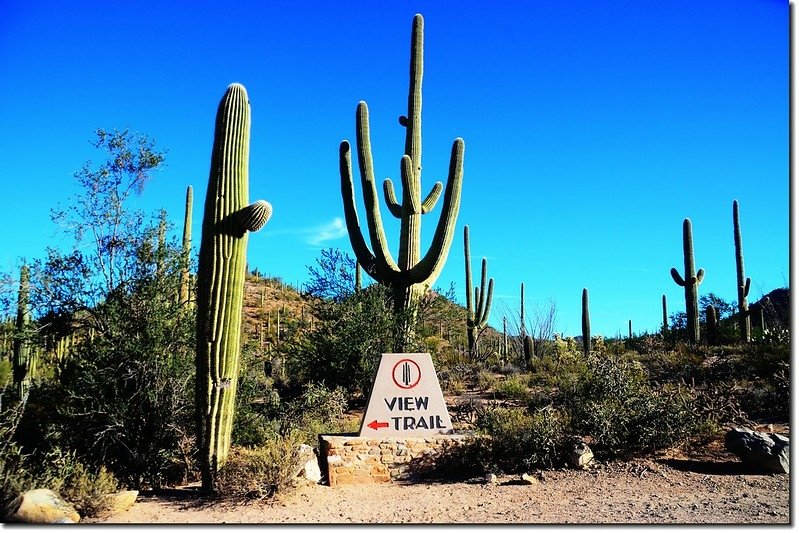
644	491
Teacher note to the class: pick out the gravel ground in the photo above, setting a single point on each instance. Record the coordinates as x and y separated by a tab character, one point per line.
668	490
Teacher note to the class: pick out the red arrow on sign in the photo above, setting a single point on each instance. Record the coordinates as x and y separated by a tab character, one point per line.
374	424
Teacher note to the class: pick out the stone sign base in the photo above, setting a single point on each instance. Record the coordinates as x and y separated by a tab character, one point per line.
348	459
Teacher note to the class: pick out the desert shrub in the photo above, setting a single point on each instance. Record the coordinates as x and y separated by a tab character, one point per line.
514	388
14	475
260	472
521	440
486	380
614	403
89	492
345	348
317	409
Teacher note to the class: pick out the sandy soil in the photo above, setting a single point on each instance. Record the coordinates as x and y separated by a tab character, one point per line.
672	490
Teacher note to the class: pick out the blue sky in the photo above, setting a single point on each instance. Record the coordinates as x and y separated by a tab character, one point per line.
592	130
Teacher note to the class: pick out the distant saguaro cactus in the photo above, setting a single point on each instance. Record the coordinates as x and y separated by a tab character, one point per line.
712	324
358	280
521	314
186	254
586	324
665	329
22	350
744	321
227	219
413	274
477	310
529	351
691	281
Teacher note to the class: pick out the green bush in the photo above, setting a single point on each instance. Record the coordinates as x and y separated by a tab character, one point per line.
261	472
521	440
14	475
514	388
344	350
614	403
315	410
89	492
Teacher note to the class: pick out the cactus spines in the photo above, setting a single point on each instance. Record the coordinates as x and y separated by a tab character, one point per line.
712	322
413	274
186	254
744	321
665	317
22	350
690	281
586	324
220	279
479	308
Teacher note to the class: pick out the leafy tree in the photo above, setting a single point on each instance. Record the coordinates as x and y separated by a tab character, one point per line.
125	392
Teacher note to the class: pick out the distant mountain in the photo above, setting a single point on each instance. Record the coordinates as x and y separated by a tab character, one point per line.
777	311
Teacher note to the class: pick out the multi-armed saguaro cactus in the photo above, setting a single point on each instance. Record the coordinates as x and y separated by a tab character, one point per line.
22	349
186	255
744	322
412	275
690	281
665	328
220	279
477	310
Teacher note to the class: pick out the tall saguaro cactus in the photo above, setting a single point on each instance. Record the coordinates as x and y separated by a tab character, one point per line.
22	349
522	332
185	258
227	219
690	281
665	328
413	274
478	309
586	324
744	321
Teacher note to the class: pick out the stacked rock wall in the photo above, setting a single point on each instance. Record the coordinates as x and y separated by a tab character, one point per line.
348	459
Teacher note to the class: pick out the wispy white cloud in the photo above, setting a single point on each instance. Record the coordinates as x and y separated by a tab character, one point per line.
333	230
316	235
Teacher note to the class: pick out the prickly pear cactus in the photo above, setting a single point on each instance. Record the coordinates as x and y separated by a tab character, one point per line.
227	219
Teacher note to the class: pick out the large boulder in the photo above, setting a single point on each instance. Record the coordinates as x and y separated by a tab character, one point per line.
768	451
119	502
43	506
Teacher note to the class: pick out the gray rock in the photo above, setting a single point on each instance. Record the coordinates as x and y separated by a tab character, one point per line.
309	464
579	454
768	451
43	506
490	479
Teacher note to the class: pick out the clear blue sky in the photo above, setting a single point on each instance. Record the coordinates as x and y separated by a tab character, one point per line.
592	130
